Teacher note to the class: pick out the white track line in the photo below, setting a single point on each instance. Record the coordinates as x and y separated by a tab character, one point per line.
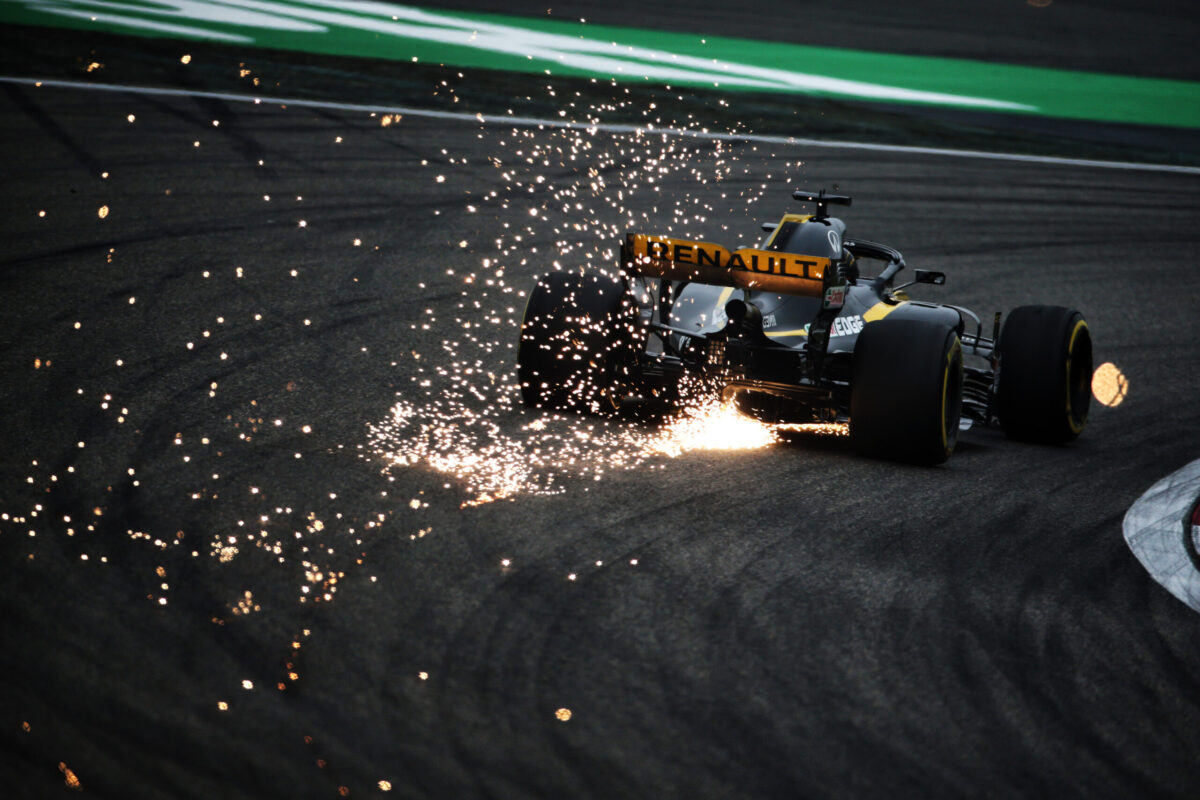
605	127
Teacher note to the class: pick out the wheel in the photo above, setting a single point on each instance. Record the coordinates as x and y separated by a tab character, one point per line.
906	391
577	344
1045	376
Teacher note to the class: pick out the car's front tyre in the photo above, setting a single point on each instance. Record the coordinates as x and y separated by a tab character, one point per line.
1044	385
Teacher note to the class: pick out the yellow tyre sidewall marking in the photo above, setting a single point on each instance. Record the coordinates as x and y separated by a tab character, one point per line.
1081	325
946	390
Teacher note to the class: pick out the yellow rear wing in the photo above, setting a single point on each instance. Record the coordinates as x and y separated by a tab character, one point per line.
745	268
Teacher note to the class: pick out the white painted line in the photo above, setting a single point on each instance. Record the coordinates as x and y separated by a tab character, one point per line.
269	22
604	127
1157	527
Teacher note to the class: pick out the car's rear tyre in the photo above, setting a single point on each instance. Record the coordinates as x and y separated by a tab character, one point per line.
906	391
577	343
1044	386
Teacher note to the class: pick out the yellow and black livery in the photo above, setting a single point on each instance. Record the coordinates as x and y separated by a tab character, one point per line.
797	330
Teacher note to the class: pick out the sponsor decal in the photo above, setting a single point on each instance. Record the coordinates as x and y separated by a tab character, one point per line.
835	241
769	321
846	326
683	253
835	297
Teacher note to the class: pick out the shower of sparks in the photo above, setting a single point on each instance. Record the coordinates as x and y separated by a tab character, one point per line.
494	461
568	196
541	200
712	426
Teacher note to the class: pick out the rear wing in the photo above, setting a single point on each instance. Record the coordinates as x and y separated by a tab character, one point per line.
745	268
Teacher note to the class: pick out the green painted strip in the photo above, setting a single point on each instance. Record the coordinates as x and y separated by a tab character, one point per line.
542	46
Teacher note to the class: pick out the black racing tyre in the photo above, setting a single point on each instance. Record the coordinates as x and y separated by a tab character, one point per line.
906	391
1044	386
577	344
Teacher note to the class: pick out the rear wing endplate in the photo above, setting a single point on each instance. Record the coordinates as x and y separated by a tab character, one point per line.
745	268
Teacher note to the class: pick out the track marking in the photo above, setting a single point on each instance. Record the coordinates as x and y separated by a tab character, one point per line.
348	26
604	127
1156	527
538	45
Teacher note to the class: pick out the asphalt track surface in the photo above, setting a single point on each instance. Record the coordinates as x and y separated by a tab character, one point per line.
799	621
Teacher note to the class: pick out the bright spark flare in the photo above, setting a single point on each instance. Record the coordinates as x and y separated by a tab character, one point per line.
493	462
1109	385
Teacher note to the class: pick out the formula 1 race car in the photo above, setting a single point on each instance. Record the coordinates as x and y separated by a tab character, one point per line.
794	332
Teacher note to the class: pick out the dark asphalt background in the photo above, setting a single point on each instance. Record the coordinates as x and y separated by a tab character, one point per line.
799	622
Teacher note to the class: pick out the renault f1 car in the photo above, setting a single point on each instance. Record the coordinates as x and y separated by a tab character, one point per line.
794	331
